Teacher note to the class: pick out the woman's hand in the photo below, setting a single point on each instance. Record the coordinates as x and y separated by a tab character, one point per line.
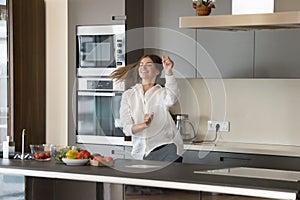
141	126
168	65
148	118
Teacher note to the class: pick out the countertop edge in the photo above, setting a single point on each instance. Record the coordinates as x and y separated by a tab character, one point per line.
110	176
249	148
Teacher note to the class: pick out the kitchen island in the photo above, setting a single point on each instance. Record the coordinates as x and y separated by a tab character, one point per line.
192	177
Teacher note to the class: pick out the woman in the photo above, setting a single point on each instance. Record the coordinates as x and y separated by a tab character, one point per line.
145	107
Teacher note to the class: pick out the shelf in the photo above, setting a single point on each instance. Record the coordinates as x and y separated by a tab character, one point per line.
279	20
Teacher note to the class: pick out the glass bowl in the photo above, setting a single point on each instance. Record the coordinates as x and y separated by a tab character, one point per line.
41	152
58	152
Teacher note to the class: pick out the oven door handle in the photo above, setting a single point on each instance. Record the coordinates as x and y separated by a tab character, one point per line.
100	94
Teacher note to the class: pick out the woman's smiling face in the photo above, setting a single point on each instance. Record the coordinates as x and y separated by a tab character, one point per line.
147	70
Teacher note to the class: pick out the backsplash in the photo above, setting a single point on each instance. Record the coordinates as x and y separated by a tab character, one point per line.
263	111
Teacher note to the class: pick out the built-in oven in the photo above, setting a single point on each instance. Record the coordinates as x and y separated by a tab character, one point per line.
100	49
98	105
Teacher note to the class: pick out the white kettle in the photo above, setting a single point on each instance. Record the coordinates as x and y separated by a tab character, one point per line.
185	127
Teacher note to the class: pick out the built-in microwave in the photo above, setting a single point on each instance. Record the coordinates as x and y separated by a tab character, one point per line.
100	49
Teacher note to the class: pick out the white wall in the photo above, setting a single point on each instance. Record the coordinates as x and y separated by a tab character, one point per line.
56	73
263	111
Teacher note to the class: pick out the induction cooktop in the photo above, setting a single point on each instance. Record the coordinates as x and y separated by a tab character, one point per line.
248	172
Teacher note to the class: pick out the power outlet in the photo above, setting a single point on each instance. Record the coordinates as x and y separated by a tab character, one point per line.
224	125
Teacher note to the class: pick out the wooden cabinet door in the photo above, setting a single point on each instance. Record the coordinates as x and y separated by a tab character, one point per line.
27	61
61	189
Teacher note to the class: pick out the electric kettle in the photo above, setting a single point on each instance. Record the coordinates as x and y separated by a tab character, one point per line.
185	127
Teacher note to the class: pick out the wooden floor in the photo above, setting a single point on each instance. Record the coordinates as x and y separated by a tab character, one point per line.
188	195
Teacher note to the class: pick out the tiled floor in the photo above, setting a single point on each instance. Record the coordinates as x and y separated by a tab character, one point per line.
188	195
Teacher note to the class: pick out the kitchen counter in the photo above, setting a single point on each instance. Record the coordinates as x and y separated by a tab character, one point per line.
160	174
237	147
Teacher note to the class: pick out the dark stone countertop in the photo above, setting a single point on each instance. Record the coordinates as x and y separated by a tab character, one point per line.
159	174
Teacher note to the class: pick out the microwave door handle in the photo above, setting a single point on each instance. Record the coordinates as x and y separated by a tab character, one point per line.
99	94
120	17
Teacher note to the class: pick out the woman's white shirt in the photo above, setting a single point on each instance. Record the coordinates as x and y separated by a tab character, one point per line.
157	100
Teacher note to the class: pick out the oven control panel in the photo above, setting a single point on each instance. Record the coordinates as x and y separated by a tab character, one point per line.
100	84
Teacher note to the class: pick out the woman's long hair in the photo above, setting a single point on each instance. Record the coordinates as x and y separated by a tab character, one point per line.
130	74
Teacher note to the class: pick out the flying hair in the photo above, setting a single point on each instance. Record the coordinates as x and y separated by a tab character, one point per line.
130	72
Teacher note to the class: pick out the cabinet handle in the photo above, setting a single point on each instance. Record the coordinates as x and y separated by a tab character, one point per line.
117	152
121	17
233	159
99	94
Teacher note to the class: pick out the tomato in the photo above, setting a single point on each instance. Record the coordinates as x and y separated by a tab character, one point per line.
83	154
36	155
42	155
47	155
